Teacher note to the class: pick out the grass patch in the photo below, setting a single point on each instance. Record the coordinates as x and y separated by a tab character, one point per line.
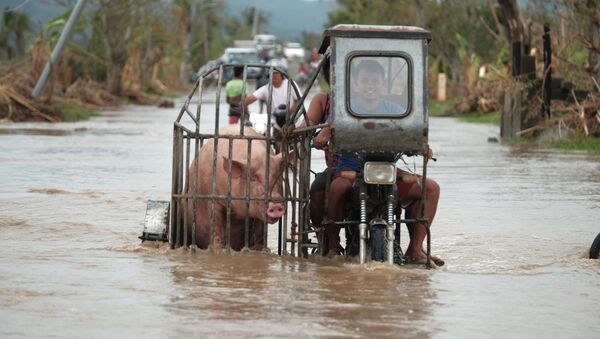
578	142
70	111
480	118
440	108
172	95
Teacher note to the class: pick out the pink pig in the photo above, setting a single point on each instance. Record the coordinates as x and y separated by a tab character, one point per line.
239	164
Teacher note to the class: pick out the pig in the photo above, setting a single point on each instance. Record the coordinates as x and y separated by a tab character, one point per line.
239	163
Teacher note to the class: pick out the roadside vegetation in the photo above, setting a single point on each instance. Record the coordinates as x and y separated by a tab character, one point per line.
139	51
472	44
144	50
441	108
481	118
578	142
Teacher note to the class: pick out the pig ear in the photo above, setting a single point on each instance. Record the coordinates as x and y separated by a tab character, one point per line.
237	168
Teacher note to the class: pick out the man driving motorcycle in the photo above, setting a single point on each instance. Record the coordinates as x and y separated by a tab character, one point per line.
368	85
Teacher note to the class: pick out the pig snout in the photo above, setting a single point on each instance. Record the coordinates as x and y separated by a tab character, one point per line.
275	211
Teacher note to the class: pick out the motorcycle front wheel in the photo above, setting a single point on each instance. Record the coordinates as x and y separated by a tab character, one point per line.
378	246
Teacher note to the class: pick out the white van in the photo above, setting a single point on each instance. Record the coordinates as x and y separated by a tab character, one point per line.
293	50
264	41
265	44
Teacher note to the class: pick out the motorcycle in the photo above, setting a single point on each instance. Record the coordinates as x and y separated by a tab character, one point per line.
372	216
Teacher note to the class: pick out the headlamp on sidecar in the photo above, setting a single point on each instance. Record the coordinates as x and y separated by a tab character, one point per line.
380	173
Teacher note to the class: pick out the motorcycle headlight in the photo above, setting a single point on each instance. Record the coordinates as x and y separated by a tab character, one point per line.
380	173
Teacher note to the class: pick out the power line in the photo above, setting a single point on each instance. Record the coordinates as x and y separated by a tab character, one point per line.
16	7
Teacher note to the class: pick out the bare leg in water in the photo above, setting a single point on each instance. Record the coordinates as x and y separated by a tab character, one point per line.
338	193
417	231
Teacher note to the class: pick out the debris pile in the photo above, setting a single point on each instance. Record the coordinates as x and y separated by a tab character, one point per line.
484	97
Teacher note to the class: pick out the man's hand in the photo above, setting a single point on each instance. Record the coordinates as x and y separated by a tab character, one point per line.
322	138
430	154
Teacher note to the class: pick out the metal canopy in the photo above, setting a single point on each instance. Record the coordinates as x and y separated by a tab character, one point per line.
373	31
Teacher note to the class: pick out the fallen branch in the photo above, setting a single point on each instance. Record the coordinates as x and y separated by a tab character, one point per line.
581	114
21	100
541	125
596	83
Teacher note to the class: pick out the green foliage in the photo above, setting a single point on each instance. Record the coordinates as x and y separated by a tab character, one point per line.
248	19
70	111
310	40
459	40
463	46
14	26
382	12
440	108
481	118
578	142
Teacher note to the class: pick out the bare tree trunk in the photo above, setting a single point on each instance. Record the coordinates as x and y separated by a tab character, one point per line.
114	26
189	33
594	51
20	42
503	34
204	34
419	16
513	20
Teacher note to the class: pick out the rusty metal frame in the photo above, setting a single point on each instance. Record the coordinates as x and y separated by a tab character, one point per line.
189	135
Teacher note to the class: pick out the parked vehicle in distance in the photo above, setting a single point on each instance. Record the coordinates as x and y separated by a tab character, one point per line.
293	50
211	79
241	55
265	44
244	43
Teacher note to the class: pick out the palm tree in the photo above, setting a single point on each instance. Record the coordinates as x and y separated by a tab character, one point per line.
14	23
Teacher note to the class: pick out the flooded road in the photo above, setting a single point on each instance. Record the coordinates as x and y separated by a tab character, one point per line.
513	225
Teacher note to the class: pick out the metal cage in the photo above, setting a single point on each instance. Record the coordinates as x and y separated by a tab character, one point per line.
196	124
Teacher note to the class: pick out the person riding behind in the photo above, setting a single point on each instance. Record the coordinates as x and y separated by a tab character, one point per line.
234	90
319	113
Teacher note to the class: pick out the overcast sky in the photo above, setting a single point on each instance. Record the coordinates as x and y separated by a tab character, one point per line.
288	18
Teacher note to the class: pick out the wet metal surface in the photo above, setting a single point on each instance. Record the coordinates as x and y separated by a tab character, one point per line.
406	132
513	225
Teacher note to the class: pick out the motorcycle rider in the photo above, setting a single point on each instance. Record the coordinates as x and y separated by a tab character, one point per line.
366	99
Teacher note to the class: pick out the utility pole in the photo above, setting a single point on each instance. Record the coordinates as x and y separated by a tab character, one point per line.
64	36
205	32
255	21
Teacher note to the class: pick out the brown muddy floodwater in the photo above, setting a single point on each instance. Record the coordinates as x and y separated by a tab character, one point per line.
514	227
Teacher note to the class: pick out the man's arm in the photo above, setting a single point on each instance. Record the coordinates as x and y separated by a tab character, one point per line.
258	94
249	100
315	114
316	109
